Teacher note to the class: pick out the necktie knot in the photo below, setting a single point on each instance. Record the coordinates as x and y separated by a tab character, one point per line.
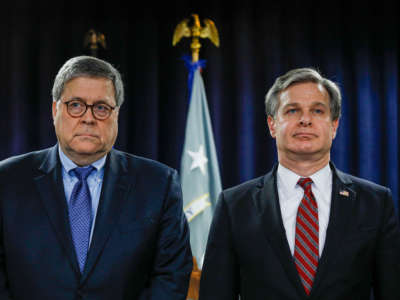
82	173
305	183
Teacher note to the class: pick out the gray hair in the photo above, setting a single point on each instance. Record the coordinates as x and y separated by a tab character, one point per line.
303	75
88	66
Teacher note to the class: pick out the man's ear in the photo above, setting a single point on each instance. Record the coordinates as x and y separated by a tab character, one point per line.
117	111
335	126
271	125
54	109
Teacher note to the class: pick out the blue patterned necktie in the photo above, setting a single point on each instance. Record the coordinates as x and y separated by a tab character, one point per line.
80	214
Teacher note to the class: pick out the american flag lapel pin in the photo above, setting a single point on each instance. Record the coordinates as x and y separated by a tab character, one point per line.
344	193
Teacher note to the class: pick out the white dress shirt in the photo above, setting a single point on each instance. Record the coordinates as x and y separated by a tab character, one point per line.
290	195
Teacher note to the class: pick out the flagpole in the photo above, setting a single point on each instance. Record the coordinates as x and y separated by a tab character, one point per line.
200	177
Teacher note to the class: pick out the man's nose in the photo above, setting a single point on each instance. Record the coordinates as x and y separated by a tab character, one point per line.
88	117
305	119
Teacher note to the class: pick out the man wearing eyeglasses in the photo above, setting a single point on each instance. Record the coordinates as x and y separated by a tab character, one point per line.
82	220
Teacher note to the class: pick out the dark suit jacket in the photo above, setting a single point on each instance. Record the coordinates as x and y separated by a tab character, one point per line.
140	247
248	253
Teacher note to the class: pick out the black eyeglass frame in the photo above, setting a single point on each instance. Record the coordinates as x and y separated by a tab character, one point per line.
91	107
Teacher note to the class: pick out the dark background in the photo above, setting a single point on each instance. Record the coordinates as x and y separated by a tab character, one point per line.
352	43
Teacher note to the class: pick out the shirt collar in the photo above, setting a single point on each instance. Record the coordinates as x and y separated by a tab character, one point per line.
322	178
68	164
288	178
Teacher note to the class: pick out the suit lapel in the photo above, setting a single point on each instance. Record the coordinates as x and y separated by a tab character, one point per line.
50	187
115	189
267	203
342	208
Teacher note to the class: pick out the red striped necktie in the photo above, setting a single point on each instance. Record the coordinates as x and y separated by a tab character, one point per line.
306	252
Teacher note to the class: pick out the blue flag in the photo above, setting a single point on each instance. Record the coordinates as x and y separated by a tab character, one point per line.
201	183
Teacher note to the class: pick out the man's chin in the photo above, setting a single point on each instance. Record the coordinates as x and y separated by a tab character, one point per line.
86	149
83	156
305	150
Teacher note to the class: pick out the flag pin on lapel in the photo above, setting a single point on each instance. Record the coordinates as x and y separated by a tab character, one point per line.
344	193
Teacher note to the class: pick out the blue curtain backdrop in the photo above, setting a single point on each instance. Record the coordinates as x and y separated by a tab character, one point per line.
354	43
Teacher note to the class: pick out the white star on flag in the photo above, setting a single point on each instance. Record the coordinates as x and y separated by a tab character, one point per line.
199	159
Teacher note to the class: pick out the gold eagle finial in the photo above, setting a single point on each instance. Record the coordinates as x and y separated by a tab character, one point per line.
196	31
93	39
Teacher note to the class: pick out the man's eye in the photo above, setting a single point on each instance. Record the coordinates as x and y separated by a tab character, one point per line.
75	104
318	111
101	107
291	111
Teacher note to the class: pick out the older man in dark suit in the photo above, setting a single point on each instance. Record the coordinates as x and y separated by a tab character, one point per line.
305	230
84	221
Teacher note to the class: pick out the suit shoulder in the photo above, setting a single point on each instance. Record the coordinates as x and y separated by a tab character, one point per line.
23	161
143	164
365	185
243	189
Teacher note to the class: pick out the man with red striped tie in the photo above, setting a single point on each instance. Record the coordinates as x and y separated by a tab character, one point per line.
305	230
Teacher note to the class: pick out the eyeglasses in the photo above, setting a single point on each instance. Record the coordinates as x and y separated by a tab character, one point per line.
77	108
